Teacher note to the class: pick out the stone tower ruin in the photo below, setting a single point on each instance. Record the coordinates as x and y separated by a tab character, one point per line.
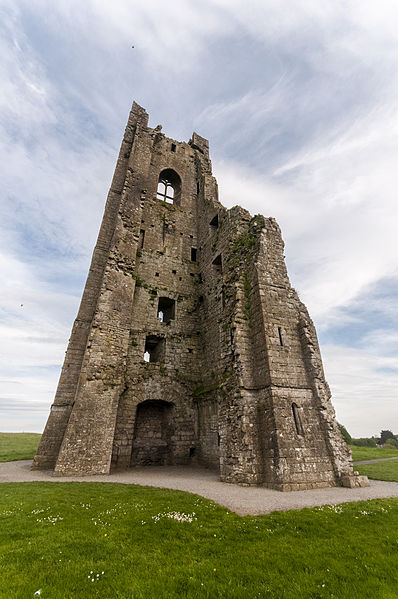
190	345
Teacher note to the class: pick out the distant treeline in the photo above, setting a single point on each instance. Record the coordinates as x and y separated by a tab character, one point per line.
386	439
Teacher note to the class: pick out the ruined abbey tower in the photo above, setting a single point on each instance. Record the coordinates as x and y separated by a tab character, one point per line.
190	345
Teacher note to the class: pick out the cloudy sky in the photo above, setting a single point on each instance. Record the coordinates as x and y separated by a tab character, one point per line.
299	99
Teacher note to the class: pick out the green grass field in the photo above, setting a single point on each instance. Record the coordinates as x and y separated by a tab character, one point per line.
18	446
83	540
371	453
380	471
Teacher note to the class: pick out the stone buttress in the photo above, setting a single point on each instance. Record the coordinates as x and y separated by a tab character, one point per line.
190	346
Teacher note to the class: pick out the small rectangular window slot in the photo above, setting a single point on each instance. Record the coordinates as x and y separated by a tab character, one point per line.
156	274
191	236
174	272
173	147
217	264
180	278
154	349
197	187
189	350
280	335
192	274
201	299
166	309
192	451
141	239
214	222
193	254
297	419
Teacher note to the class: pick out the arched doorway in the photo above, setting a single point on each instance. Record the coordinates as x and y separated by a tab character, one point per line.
152	434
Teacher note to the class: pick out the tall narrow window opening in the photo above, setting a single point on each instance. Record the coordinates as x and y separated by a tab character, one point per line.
173	147
297	419
141	239
166	309
217	264
197	187
280	335
169	187
193	254
214	222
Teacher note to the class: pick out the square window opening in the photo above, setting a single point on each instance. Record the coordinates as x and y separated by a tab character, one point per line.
154	349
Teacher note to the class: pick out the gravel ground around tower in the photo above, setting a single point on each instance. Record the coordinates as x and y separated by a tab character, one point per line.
239	499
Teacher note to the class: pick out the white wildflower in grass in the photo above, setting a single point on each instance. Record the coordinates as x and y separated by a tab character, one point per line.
37	592
8	513
179	516
40	511
95	576
51	519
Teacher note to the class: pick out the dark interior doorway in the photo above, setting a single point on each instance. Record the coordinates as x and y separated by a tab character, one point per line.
152	434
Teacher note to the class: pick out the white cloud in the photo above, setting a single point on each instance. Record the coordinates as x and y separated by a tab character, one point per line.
336	203
300	108
364	386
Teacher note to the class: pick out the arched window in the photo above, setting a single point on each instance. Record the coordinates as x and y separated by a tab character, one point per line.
297	419
169	187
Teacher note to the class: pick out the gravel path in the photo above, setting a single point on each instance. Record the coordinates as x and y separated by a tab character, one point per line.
374	461
242	500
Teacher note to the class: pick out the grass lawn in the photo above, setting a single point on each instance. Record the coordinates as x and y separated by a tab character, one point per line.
371	453
380	470
83	540
18	446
